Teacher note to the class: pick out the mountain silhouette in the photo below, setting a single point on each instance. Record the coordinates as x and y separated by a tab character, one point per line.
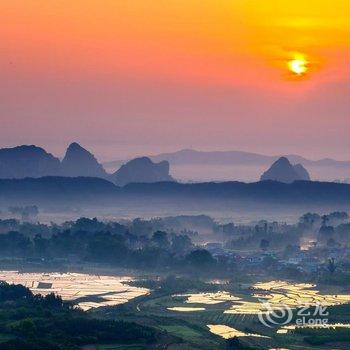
86	191
198	166
283	171
32	161
191	156
141	170
80	162
27	161
302	172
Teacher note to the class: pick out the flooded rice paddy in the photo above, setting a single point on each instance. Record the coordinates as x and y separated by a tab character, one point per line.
91	291
292	327
85	290
209	298
228	332
186	309
264	297
276	293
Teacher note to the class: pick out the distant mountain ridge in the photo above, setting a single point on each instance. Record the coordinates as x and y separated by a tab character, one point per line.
189	156
186	165
198	166
54	189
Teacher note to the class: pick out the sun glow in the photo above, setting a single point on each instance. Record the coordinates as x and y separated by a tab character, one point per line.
298	65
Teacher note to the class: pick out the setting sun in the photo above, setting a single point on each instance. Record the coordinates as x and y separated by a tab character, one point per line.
298	65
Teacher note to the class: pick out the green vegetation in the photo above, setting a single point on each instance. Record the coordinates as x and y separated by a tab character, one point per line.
120	347
174	284
321	336
31	322
184	332
164	247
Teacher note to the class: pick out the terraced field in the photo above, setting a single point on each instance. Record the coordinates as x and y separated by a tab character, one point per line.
203	320
85	290
227	315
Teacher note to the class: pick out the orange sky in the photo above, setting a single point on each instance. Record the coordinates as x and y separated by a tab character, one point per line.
154	70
